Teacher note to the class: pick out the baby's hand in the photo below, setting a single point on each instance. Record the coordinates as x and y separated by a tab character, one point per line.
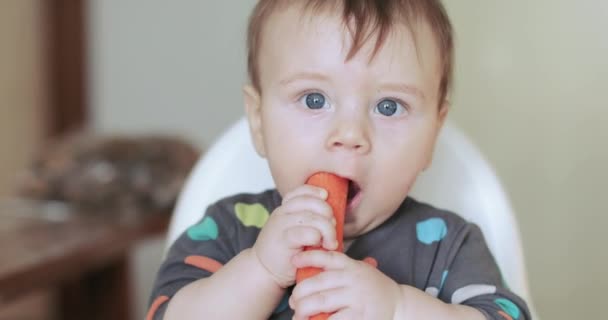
350	288
303	219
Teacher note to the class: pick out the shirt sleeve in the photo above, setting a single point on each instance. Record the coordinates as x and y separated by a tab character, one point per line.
200	251
471	277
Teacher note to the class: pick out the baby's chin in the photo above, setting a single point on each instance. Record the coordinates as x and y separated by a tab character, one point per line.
355	225
352	229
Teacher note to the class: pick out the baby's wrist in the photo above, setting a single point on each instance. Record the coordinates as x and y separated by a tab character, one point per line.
267	272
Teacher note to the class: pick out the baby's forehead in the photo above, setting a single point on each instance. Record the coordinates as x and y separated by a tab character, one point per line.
308	19
296	28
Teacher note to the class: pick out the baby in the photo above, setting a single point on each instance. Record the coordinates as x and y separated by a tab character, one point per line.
357	88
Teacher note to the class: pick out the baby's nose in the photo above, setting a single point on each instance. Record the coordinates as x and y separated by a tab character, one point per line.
350	135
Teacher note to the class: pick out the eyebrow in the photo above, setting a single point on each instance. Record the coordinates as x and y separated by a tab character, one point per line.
401	87
304	76
404	87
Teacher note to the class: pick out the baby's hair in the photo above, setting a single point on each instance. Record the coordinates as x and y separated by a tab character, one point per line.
364	19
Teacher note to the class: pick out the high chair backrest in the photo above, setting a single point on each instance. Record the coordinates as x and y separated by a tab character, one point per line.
460	180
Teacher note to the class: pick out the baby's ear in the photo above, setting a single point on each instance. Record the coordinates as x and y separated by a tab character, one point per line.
253	109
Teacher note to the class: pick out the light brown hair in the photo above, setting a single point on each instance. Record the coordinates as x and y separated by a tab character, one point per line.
364	19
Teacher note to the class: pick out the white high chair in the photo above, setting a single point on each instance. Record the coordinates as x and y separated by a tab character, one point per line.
460	180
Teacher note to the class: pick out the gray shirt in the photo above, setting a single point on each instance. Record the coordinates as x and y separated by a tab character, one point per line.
433	250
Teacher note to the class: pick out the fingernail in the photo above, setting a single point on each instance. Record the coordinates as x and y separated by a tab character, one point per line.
333	221
323	193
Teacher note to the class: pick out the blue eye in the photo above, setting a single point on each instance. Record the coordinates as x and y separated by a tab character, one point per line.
315	100
388	107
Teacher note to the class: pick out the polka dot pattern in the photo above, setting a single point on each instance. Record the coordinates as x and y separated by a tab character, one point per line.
508	307
203	263
204	231
251	215
471	291
434	292
155	305
428	232
504	315
431	230
371	261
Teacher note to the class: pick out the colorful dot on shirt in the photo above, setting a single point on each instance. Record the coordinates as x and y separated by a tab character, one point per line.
155	305
504	315
434	292
251	215
203	263
431	230
471	291
204	231
509	307
371	261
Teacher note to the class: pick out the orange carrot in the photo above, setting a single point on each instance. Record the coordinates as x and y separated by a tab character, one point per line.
337	190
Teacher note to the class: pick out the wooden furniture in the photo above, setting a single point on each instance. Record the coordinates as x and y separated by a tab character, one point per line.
83	256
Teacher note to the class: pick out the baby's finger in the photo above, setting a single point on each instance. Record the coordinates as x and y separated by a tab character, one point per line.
327	260
306	190
302	236
327	301
322	224
324	281
344	314
308	203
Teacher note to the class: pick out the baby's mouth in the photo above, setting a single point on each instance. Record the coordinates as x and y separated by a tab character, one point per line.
354	195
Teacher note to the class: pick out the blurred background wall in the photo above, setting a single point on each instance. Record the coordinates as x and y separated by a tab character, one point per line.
22	90
530	90
22	103
160	66
530	84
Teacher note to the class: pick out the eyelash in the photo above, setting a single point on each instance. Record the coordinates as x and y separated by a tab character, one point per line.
404	104
301	96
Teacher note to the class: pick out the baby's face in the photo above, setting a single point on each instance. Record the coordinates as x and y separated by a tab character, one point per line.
374	123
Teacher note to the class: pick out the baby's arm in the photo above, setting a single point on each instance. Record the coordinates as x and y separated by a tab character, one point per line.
416	304
228	294
357	290
464	284
207	276
470	286
210	272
